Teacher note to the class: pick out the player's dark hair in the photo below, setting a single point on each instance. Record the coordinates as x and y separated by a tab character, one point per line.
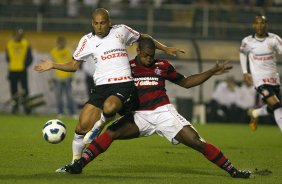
146	43
260	15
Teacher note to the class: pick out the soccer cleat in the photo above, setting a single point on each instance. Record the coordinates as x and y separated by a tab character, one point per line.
241	174
92	134
62	169
75	167
253	122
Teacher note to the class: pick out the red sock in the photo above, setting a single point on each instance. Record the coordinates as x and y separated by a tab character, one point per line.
96	147
213	154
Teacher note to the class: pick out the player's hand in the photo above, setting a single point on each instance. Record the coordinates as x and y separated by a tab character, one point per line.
172	51
248	79
44	66
221	67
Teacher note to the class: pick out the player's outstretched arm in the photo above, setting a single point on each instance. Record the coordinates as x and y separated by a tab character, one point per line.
197	79
168	50
46	65
221	68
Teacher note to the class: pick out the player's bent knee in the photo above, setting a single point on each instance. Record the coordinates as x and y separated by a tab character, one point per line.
112	106
83	127
111	109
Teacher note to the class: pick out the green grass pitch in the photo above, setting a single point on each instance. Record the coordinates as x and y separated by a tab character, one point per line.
27	159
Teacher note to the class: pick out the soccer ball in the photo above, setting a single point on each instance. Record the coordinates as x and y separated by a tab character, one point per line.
54	131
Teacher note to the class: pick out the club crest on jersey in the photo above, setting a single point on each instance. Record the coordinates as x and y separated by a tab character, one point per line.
158	71
120	37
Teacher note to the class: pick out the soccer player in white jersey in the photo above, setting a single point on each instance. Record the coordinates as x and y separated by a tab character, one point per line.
106	47
260	50
155	114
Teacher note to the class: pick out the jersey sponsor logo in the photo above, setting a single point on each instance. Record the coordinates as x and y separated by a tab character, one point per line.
263	58
146	78
115	50
114	55
270	80
146	81
81	48
121	78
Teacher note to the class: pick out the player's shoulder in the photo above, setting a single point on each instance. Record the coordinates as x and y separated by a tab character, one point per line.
273	35
86	39
132	62
162	62
88	36
118	26
248	38
24	41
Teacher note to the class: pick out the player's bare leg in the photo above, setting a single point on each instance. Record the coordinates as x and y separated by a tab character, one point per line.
111	106
190	137
122	130
252	113
89	114
274	103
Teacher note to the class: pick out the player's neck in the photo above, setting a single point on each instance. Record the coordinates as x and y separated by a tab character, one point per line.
260	37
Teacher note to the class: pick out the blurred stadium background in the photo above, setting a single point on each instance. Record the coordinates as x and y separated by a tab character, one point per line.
207	30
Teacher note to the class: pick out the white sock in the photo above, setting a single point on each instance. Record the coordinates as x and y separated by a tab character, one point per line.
278	117
77	146
100	122
103	121
262	111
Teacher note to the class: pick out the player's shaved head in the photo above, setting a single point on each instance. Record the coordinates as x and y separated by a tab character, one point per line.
101	22
146	43
101	11
146	51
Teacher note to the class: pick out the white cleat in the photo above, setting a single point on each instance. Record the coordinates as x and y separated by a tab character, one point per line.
92	134
61	170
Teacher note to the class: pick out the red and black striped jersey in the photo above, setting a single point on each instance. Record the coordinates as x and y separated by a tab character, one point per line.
150	82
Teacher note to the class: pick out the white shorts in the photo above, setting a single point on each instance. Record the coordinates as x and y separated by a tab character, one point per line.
165	121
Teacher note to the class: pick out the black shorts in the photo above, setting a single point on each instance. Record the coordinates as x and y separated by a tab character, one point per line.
269	90
125	91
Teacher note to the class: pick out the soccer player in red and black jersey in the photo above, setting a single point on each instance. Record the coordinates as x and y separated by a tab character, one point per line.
105	47
155	114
